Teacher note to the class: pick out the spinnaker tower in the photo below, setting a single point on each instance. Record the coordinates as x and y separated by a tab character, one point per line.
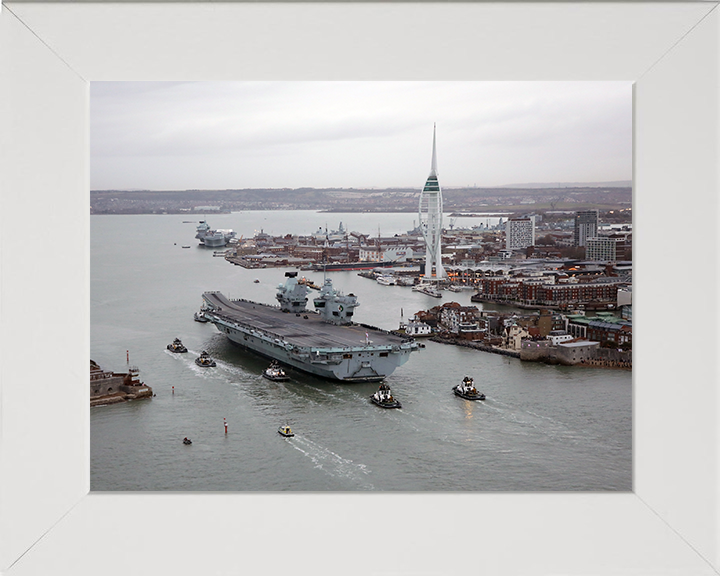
430	217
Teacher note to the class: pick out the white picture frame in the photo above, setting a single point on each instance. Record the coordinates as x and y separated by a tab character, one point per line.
50	523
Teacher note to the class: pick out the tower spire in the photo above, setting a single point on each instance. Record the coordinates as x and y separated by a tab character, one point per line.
430	215
433	165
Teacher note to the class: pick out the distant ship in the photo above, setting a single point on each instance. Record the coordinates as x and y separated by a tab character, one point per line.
340	266
213	238
326	342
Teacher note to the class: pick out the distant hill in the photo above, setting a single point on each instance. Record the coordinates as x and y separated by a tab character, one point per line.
523	198
610	184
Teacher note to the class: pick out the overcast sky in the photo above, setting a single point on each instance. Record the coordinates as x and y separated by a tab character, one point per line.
221	135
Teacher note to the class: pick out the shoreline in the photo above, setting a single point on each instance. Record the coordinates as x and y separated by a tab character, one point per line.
598	363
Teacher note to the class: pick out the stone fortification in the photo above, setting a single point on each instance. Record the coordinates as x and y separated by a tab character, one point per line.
110	387
574	353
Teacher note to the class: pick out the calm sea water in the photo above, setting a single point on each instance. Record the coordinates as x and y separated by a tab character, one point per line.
541	428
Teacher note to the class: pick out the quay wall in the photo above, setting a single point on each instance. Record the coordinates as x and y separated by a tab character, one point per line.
592	356
476	345
577	356
106	386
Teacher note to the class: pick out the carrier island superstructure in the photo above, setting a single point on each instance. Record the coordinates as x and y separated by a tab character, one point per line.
325	342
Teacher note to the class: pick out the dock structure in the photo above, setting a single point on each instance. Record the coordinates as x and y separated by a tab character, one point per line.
304	340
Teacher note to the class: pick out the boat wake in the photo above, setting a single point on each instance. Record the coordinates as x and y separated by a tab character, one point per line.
333	464
528	422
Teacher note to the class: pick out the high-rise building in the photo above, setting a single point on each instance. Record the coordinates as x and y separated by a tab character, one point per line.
519	233
430	216
586	226
602	248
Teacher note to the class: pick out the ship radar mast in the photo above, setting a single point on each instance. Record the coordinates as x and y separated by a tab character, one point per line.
430	216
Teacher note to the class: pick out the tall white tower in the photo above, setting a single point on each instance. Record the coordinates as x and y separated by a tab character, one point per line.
430	217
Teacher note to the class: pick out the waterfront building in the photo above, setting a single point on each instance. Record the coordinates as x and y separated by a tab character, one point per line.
549	322
519	233
517	289
430	217
603	327
602	248
576	351
557	336
586	226
625	303
456	318
380	254
514	335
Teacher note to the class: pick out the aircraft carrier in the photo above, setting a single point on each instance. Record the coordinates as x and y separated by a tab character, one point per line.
325	342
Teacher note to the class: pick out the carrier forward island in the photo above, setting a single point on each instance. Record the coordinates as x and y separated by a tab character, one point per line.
325	342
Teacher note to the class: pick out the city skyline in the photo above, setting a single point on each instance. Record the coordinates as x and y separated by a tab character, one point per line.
235	135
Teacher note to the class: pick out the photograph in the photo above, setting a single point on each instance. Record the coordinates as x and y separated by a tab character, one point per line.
357	272
361	286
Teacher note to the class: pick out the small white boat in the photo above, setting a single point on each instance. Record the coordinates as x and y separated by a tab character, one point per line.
200	317
275	373
428	289
386	280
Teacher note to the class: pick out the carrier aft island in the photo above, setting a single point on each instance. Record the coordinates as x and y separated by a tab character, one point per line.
326	342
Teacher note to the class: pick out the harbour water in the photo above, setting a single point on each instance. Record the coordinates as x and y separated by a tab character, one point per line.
542	428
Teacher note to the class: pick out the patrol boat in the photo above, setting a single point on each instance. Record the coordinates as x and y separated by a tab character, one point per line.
325	342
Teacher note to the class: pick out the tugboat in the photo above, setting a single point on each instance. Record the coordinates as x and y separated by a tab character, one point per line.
384	398
187	441
466	389
275	373
176	346
205	361
285	431
200	317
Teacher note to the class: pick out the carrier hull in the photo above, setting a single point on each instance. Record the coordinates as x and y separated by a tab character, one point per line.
352	353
